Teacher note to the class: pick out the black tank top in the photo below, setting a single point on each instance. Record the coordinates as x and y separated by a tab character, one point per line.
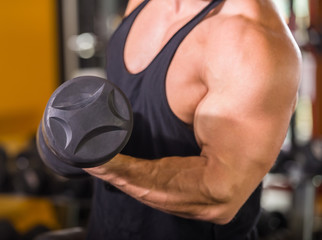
157	132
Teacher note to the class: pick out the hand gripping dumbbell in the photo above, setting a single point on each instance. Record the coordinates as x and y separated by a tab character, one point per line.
87	121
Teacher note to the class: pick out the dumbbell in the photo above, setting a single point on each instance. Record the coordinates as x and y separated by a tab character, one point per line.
29	177
5	175
86	122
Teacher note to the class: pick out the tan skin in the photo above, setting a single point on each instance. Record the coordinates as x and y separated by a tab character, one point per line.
238	97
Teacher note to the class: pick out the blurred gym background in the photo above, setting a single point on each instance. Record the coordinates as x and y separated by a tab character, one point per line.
46	42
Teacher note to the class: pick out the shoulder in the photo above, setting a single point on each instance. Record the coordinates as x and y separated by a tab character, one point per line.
252	27
251	49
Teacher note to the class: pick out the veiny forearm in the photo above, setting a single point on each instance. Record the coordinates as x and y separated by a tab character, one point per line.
177	185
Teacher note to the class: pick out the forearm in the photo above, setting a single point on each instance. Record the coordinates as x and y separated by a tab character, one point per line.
177	185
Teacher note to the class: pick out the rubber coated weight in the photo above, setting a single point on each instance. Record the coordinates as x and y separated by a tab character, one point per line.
87	121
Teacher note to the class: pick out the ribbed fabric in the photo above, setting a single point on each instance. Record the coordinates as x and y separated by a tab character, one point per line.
157	133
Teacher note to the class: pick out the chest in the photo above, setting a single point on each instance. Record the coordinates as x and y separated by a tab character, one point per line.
148	36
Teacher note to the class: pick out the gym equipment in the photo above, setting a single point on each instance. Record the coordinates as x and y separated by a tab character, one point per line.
8	231
29	177
87	121
272	224
5	175
34	232
75	233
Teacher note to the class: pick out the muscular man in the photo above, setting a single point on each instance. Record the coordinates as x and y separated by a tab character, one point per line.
213	85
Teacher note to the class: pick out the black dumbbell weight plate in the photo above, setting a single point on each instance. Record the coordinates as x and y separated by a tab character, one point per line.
87	121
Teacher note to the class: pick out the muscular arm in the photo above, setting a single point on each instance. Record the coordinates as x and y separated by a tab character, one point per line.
240	125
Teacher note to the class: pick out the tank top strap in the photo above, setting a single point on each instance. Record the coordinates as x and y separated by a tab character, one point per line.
166	54
183	32
170	48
